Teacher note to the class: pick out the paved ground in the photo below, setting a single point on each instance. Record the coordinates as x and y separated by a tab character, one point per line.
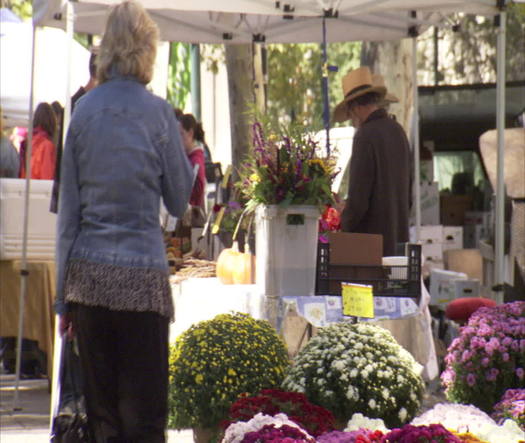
30	422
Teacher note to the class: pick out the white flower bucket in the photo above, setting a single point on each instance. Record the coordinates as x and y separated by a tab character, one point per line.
286	249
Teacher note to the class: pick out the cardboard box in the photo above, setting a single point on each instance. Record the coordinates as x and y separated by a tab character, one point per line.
358	256
432	251
427	234
477	218
468	261
452	237
466	288
355	249
429	203
453	208
443	286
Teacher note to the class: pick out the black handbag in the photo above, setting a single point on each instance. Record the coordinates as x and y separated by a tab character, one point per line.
70	425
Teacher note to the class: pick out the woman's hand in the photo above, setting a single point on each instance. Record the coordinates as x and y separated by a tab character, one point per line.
65	326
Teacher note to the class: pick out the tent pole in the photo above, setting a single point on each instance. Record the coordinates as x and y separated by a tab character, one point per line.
500	182
57	350
415	133
195	81
324	80
24	273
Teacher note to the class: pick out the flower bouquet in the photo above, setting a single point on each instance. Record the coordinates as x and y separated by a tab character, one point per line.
314	419
266	428
488	357
350	368
215	361
285	169
511	406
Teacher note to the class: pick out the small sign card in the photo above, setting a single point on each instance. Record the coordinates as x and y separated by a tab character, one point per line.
358	300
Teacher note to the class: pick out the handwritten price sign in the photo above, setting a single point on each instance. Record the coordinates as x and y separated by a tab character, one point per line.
358	300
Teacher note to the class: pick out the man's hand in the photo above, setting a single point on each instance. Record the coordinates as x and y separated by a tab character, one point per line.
65	326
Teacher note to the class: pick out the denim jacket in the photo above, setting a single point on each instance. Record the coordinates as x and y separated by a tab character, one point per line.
123	152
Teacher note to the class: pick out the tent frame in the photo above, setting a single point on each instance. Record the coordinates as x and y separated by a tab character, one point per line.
497	5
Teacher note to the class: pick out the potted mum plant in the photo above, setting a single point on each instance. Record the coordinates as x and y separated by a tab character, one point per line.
316	420
349	368
214	362
488	357
287	181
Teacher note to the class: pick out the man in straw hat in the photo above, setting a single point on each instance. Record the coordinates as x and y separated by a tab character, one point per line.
379	185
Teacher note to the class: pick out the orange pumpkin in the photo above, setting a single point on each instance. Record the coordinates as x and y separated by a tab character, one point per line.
244	271
226	263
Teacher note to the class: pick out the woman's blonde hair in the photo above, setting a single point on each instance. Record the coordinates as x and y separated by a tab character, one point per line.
129	45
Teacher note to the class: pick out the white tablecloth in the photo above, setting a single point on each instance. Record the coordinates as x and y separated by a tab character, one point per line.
198	299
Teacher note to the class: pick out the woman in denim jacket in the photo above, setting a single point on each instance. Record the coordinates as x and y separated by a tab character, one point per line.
123	153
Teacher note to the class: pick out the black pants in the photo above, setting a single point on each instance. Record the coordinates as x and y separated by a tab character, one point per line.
124	358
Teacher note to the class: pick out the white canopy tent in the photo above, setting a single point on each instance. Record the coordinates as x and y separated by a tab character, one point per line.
51	69
241	21
292	21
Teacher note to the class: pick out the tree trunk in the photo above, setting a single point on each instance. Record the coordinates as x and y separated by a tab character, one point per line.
239	63
393	60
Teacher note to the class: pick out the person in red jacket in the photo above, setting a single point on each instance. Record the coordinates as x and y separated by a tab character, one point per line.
43	152
193	140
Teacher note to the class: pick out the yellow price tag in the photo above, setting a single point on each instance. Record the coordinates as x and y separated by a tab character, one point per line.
216	226
358	300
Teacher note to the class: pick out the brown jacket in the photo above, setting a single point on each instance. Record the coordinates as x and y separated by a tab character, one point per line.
379	187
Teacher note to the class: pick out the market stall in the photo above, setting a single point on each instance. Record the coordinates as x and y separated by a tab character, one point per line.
210	22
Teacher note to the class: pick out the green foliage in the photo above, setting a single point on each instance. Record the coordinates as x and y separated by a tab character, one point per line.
294	80
179	74
215	361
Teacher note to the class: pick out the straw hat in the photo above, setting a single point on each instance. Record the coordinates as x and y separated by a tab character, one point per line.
378	80
355	84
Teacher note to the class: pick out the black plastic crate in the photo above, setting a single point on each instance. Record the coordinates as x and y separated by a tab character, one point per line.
387	281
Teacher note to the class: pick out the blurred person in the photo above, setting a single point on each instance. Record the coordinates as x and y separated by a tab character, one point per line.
43	150
379	189
123	153
9	157
92	82
193	140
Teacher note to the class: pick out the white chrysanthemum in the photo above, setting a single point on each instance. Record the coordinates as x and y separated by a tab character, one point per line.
236	431
359	421
372	403
350	392
385	393
364	373
354	372
338	364
359	345
402	414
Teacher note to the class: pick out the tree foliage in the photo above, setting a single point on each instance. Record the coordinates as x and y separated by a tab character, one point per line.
294	79
179	74
468	54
